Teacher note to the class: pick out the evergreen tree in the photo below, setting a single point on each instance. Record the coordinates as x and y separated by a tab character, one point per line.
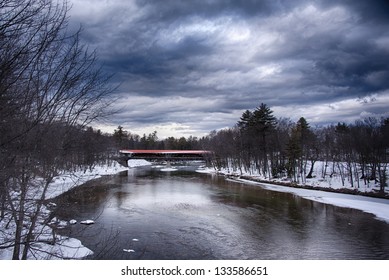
302	148
245	120
121	137
263	119
255	127
264	122
294	153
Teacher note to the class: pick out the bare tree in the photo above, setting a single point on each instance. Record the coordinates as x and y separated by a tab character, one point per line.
49	82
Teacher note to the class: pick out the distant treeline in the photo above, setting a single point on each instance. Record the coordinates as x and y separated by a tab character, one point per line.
274	147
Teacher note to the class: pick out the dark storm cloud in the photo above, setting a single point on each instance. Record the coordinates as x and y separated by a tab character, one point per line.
371	11
207	61
157	62
172	9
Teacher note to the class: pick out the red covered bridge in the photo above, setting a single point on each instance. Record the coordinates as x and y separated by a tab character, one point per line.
166	154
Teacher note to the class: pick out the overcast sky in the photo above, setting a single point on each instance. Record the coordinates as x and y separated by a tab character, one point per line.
189	67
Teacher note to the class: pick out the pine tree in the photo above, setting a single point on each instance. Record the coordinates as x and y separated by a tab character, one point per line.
255	127
245	120
264	122
263	119
121	137
294	152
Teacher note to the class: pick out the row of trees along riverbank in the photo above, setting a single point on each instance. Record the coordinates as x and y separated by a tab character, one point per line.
274	147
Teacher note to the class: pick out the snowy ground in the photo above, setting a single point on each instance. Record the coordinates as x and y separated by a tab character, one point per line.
67	181
132	163
64	247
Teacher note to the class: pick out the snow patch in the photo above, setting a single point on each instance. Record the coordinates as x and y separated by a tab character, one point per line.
73	249
129	250
137	163
87	222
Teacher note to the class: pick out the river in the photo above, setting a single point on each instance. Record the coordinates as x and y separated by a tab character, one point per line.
147	213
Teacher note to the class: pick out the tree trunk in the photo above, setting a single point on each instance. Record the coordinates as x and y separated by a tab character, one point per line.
34	219
382	177
309	176
19	220
341	173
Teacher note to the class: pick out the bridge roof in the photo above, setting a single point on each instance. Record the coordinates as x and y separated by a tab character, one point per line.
195	152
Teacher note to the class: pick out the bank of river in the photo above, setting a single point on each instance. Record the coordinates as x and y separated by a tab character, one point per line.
146	213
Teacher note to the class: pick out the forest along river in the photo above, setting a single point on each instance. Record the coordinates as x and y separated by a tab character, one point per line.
146	213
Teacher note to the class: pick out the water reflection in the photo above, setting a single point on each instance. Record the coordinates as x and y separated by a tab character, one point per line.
186	215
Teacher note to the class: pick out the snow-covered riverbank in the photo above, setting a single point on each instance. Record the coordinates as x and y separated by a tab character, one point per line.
67	181
376	206
64	247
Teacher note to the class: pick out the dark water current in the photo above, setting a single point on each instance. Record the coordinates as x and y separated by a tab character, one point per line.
146	213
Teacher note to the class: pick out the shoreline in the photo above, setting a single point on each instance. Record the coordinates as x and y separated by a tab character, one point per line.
65	246
310	187
377	206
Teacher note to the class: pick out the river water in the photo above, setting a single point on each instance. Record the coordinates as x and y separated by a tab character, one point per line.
146	213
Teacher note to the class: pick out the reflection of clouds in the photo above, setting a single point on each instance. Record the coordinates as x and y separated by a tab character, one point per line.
168	196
